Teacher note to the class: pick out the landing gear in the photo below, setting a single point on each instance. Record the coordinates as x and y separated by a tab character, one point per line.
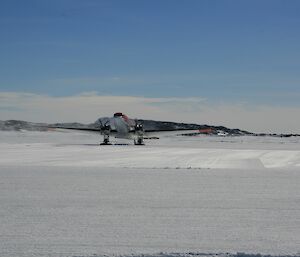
106	140
139	141
105	131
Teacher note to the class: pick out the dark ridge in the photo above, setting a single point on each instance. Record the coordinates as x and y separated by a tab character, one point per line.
149	125
17	125
192	254
167	125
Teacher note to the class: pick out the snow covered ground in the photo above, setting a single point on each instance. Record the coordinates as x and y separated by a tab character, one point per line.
61	194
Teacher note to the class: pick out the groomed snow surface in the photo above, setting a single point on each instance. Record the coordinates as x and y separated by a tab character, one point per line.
61	194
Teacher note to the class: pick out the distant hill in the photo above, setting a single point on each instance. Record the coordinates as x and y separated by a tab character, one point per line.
18	125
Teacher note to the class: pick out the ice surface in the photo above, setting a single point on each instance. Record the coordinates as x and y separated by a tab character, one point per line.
83	150
61	194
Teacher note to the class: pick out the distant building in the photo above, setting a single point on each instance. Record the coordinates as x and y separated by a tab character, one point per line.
206	131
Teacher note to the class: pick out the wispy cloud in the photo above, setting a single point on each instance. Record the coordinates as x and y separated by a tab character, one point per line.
88	106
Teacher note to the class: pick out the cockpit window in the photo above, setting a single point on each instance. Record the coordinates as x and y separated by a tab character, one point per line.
118	114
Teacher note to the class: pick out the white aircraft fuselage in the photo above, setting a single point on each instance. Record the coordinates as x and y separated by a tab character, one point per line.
121	127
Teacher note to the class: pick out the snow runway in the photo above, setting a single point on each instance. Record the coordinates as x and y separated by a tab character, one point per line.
82	150
60	196
150	157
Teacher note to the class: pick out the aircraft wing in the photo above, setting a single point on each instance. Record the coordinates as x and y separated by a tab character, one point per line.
97	130
148	133
74	128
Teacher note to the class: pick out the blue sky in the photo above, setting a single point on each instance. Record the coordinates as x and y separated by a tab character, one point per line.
223	51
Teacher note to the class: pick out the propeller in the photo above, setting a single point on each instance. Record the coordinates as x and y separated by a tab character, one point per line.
105	131
104	127
139	132
139	126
